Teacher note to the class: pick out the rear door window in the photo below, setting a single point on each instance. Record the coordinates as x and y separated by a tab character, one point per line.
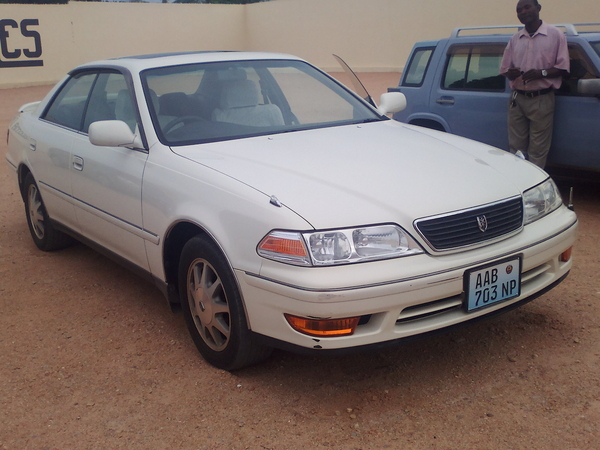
474	67
69	105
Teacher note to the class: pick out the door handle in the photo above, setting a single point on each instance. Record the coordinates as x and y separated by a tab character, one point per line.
445	101
78	163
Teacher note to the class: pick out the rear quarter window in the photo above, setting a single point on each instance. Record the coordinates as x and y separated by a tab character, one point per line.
417	67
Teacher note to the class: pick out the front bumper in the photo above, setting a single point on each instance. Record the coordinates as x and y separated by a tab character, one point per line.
406	297
317	349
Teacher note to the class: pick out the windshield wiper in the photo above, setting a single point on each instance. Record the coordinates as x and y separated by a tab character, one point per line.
373	119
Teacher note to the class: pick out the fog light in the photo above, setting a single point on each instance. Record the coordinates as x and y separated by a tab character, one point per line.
566	255
323	327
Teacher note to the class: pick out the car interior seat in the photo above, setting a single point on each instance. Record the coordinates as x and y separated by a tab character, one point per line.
98	109
179	104
577	71
239	104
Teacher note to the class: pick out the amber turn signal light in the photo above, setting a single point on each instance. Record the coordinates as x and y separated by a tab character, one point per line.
566	255
284	246
323	327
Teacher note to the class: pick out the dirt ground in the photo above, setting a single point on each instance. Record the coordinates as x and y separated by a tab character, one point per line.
92	358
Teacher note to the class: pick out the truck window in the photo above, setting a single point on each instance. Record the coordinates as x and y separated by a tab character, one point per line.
474	67
581	68
417	67
596	46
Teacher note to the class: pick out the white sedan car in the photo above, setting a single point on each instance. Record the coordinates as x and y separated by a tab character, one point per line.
278	208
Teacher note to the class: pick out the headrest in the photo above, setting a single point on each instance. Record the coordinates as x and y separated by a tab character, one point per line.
239	94
232	74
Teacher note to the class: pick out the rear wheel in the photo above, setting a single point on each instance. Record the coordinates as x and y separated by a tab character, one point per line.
44	235
213	309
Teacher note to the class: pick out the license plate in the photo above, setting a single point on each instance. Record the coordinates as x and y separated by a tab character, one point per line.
496	282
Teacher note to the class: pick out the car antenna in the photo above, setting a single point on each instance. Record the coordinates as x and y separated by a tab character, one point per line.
358	86
570	205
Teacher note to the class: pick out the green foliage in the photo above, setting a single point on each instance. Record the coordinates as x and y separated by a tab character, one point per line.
63	2
230	2
36	2
237	2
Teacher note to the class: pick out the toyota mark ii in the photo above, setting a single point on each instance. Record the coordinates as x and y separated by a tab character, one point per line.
280	209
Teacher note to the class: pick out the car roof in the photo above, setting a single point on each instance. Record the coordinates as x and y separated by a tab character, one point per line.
139	63
503	33
588	31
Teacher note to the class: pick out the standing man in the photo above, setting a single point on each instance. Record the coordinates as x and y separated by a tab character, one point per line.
535	60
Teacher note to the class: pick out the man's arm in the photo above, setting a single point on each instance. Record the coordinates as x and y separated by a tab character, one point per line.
537	74
506	65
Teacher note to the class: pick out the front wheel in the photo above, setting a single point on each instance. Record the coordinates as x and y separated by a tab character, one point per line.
213	309
45	236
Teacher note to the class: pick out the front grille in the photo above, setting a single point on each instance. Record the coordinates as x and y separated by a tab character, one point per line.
462	228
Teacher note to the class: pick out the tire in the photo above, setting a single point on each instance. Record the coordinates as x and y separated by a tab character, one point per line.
44	235
213	310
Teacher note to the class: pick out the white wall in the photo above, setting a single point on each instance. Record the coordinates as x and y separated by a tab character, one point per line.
371	35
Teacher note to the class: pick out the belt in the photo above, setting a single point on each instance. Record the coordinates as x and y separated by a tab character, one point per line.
533	94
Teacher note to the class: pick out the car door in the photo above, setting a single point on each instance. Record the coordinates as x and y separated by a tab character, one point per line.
576	138
471	94
50	154
107	181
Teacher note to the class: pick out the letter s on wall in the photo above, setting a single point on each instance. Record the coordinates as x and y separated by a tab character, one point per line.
35	35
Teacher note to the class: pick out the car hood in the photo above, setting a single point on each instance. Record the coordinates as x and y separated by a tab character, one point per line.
371	173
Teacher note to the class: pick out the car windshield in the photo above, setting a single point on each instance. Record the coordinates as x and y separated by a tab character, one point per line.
210	102
596	46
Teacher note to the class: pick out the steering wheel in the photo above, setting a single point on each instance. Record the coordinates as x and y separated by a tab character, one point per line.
183	119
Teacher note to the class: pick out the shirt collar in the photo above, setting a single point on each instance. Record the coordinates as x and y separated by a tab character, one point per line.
543	29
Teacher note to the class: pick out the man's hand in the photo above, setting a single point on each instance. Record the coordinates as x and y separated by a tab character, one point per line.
531	75
513	73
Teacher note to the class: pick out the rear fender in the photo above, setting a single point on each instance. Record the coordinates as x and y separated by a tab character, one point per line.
428	120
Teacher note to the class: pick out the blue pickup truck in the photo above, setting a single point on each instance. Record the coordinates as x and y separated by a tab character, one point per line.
454	85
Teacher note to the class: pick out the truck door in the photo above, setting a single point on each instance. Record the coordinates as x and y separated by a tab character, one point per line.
576	138
471	95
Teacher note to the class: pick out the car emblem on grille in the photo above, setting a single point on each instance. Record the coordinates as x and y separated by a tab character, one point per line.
482	223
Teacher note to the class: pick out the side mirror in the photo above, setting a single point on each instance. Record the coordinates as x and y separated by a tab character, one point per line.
391	102
113	133
589	86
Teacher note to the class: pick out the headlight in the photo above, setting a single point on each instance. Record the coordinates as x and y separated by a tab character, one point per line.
540	201
324	248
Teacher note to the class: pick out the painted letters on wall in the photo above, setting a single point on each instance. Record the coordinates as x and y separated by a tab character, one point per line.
10	56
